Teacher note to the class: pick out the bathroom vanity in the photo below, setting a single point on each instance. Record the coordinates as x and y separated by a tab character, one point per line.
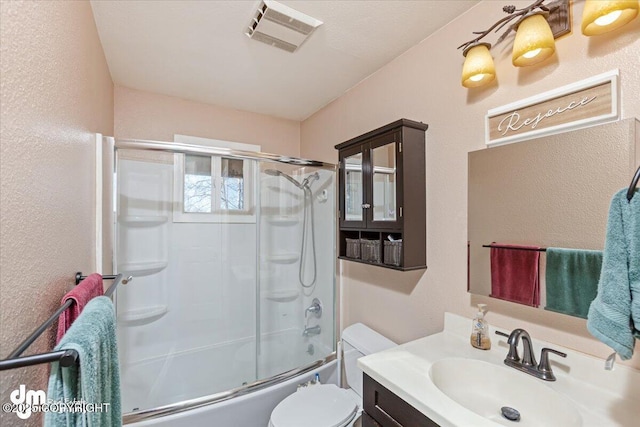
440	380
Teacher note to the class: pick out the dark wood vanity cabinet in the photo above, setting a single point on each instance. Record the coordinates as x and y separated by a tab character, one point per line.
385	409
382	191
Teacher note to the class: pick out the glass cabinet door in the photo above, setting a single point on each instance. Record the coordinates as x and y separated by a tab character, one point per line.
383	161
353	188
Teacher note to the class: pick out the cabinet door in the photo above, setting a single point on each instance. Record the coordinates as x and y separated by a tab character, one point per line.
389	410
352	187
383	182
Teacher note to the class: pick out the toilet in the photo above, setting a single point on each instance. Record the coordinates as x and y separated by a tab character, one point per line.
328	405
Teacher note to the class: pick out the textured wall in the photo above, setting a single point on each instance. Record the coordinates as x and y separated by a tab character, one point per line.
146	115
55	91
424	84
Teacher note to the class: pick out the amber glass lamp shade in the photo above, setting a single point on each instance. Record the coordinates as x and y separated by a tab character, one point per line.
534	41
602	16
478	68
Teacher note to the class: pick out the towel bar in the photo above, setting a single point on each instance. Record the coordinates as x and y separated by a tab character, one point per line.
632	187
80	278
65	357
514	248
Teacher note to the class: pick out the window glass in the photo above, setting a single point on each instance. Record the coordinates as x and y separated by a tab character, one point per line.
198	184
232	189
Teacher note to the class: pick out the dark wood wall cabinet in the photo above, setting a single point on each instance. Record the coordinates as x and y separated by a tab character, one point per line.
383	197
385	409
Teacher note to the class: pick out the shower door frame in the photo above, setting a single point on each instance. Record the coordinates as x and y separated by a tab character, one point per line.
259	384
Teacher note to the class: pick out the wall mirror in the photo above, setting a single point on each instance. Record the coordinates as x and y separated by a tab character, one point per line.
546	192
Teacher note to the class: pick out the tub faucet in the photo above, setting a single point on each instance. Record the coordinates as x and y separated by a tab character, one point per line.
528	363
314	330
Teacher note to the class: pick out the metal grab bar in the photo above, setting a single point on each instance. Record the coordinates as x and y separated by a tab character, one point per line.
65	357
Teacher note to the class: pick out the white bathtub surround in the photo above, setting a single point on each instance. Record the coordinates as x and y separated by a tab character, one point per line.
602	398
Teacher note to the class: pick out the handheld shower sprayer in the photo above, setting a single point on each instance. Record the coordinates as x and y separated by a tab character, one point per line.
305	186
308	180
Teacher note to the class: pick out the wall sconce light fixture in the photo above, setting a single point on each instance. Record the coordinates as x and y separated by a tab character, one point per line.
537	26
534	41
601	16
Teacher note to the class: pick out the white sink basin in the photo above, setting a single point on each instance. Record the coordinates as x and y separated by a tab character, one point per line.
485	388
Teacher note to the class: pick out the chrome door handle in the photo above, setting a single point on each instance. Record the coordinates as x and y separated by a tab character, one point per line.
366	206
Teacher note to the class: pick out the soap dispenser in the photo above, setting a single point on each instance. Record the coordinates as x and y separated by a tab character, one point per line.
480	330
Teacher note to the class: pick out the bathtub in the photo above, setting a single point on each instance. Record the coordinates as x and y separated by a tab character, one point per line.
178	378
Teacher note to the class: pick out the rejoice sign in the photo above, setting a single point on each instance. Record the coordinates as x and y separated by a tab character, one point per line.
578	105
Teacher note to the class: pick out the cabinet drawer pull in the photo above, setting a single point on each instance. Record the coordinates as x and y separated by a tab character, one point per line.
389	417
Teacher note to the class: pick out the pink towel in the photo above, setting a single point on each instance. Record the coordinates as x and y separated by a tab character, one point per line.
89	288
515	274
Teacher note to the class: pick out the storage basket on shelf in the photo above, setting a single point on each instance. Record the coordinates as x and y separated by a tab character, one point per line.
393	252
353	248
370	250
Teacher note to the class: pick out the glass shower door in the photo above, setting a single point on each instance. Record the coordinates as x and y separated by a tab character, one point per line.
296	266
187	231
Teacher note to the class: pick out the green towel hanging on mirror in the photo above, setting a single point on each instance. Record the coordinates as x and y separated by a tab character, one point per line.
572	277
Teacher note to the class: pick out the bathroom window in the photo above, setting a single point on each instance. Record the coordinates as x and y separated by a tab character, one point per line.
213	189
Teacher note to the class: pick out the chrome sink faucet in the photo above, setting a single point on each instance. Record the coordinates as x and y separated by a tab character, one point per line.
528	363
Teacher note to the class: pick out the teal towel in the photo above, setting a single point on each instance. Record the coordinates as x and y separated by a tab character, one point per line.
572	277
614	316
97	379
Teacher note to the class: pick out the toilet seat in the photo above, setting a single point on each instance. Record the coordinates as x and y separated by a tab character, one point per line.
316	406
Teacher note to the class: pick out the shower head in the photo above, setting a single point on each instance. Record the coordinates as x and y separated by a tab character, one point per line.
303	185
275	172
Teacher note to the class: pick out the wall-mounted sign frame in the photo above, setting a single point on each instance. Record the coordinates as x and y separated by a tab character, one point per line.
585	103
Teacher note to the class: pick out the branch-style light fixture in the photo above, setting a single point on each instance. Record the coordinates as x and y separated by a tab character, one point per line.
537	26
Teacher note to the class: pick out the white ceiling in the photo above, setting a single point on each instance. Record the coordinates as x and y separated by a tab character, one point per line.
197	50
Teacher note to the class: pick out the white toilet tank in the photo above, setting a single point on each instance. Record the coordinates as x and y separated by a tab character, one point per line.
359	340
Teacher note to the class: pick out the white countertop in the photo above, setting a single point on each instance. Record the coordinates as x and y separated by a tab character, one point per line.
603	398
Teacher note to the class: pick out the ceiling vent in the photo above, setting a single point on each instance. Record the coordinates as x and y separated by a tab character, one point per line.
280	26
